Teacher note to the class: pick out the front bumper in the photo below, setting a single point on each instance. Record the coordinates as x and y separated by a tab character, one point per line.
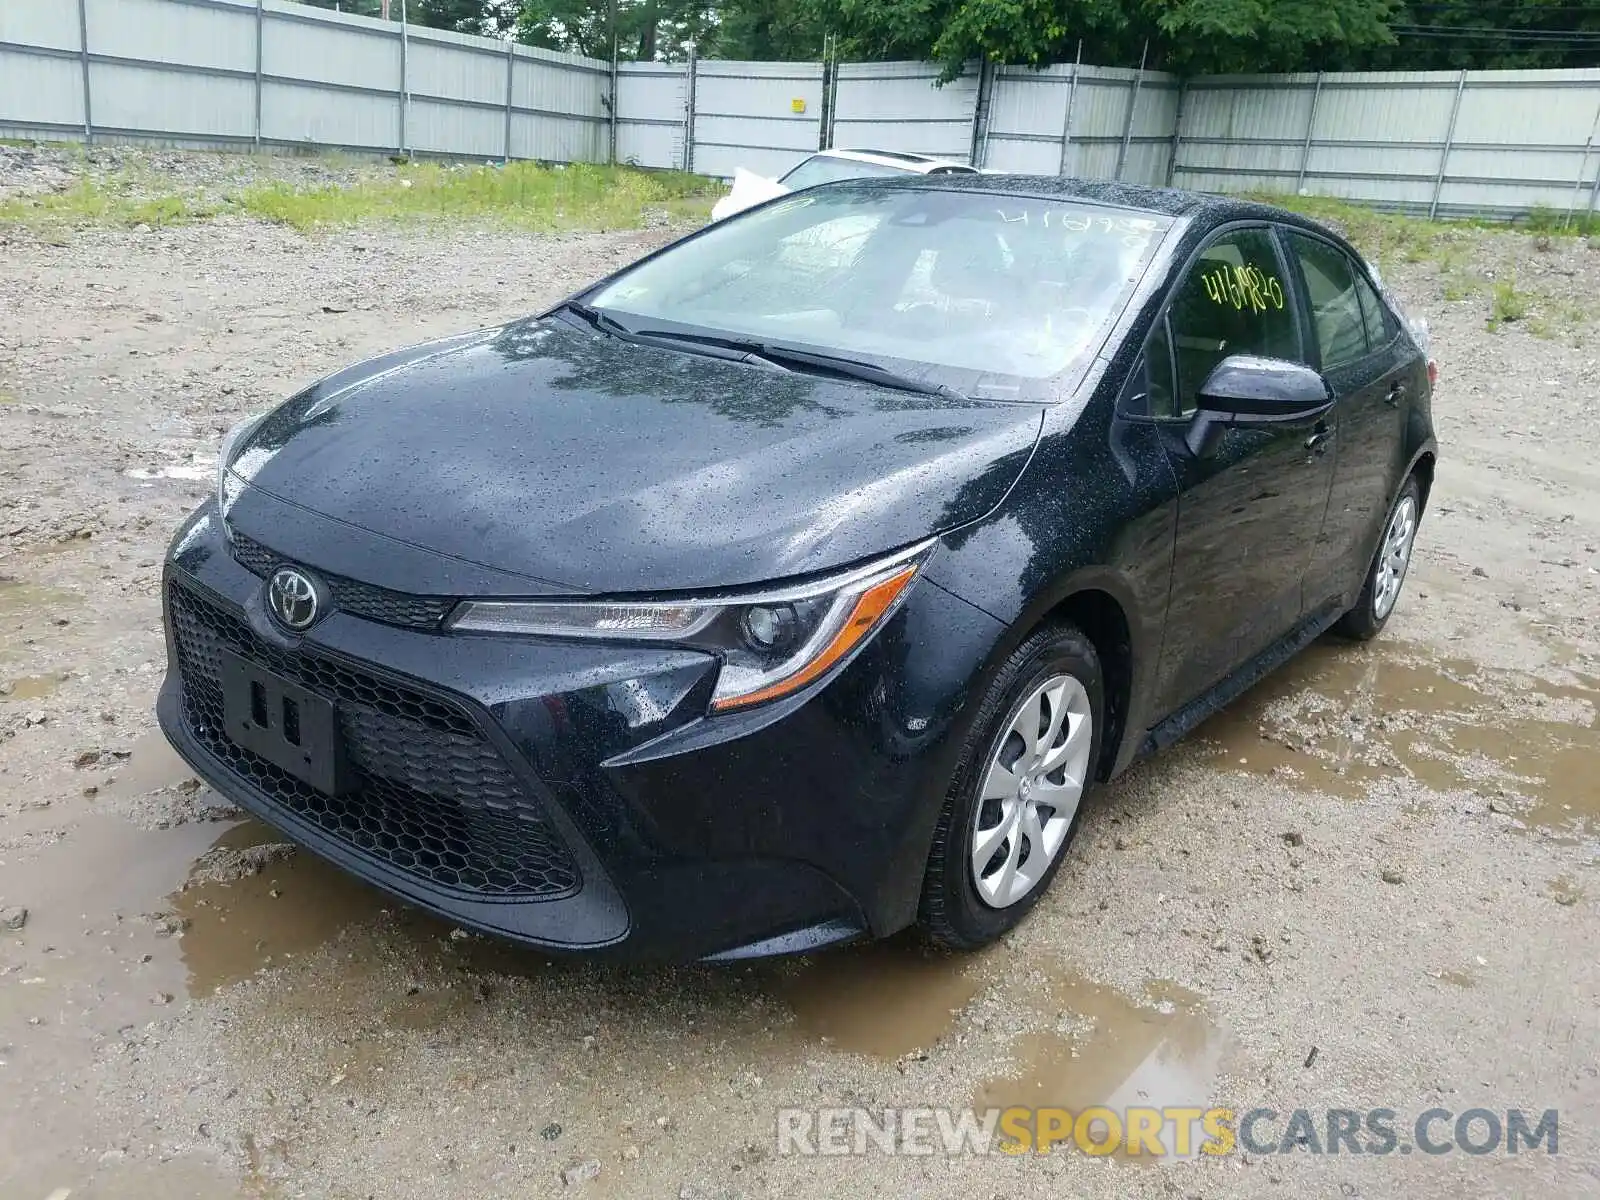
576	796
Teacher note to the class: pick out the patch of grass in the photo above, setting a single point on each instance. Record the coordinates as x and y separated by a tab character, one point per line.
1541	218
88	202
519	195
1506	304
1462	287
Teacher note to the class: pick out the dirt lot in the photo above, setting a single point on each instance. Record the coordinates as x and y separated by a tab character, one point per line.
1371	883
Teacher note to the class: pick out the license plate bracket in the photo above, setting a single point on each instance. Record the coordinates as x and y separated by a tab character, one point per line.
284	723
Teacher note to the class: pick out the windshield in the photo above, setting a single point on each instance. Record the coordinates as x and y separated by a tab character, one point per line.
986	293
822	168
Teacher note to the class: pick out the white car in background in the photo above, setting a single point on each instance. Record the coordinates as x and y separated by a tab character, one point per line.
825	166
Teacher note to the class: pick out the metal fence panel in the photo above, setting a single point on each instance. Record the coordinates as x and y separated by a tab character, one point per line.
133	99
454	66
560	113
299	115
52	26
652	111
1027	120
331	48
765	117
1487	142
40	96
220	34
895	106
443	128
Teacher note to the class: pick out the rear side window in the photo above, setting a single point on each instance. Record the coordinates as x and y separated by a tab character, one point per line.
1337	318
1231	300
1375	314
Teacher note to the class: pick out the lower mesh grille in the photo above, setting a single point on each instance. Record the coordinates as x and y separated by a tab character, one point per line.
431	796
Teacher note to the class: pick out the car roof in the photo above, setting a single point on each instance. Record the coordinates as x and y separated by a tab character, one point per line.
914	163
1210	208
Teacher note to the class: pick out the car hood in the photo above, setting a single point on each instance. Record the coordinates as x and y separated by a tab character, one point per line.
561	460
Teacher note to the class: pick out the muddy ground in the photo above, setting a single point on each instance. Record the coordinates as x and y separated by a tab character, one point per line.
1371	883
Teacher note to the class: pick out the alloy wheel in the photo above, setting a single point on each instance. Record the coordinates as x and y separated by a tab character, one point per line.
1031	790
1395	557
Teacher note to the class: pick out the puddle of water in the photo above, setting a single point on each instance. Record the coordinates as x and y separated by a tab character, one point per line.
86	896
185	897
285	909
1340	718
884	999
32	687
152	764
1114	1051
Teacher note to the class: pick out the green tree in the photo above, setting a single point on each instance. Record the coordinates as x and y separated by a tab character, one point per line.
645	29
491	17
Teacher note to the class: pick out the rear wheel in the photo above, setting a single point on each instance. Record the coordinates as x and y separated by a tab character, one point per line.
1015	800
1387	573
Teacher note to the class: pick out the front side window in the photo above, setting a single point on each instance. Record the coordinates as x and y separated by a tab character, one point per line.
1231	300
1336	317
988	293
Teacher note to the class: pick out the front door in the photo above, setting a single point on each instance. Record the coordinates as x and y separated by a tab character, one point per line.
1249	510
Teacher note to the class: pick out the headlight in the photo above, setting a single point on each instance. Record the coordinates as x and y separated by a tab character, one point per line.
771	642
231	441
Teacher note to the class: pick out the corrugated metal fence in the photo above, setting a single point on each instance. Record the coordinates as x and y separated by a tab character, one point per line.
266	72
240	73
1448	142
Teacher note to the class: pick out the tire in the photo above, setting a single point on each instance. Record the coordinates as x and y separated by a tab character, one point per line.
1376	604
965	906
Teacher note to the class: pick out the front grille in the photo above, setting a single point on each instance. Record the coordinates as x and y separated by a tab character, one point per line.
351	595
430	795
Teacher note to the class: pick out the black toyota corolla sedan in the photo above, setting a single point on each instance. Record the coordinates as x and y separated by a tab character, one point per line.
796	583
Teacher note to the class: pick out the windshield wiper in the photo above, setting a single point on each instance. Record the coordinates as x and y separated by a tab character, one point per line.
604	322
816	360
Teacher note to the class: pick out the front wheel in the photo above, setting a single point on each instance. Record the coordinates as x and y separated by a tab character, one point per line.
1017	792
1387	573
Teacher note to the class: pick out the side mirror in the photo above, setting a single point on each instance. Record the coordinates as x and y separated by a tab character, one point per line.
1243	390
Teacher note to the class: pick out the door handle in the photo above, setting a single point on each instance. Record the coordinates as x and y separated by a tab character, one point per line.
1397	391
1317	444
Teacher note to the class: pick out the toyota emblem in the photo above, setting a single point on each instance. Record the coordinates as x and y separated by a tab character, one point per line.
292	597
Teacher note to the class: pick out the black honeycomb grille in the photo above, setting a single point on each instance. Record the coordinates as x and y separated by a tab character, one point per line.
351	595
430	796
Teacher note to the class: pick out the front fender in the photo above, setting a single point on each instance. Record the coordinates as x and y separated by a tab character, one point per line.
1091	516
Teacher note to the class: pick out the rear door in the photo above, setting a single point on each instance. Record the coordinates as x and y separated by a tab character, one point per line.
1358	346
1249	510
